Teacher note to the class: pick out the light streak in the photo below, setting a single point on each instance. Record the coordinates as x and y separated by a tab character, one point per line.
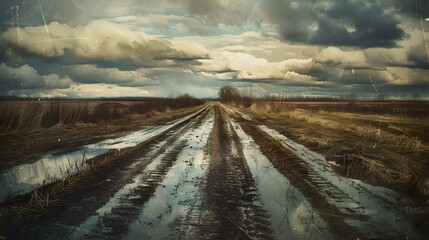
46	26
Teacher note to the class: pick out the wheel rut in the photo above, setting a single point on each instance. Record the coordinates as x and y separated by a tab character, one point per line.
228	209
83	200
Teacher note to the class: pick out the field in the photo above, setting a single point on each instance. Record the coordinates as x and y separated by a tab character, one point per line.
271	170
386	142
28	128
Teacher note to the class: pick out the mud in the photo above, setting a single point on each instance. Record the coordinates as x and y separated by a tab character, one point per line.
221	174
230	207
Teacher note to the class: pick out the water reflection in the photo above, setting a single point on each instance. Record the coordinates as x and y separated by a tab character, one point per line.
60	164
292	216
178	194
385	208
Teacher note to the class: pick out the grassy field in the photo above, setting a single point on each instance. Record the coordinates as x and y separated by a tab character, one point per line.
28	128
384	142
16	116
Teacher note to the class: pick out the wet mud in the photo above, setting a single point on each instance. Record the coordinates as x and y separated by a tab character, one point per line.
220	174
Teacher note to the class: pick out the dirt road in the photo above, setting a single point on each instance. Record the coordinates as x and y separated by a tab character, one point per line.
220	174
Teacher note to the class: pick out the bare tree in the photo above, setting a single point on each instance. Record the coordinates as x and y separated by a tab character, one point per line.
229	94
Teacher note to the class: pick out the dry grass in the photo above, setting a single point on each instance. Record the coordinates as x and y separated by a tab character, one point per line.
29	116
38	204
367	132
320	142
25	116
387	148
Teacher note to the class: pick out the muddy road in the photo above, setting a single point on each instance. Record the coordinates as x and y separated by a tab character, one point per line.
219	174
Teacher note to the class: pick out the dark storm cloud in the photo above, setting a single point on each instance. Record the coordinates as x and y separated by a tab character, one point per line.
417	55
335	22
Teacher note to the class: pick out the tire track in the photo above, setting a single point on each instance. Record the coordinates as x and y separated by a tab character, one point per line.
298	174
83	199
228	207
165	215
114	220
350	207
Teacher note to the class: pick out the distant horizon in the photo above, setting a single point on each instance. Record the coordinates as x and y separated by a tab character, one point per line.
268	98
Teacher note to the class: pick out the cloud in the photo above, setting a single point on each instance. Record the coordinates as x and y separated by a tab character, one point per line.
26	77
98	90
100	42
244	66
336	22
229	12
408	76
163	47
410	8
337	56
225	61
92	74
103	90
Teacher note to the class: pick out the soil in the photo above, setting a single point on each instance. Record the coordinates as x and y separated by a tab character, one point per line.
230	190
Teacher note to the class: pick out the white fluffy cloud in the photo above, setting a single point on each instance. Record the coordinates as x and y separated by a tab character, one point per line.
337	56
103	41
103	90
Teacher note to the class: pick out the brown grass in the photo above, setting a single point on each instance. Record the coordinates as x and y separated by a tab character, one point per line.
388	145
25	116
38	204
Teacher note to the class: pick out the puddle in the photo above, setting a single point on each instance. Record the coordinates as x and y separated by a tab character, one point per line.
61	164
178	193
292	216
115	201
384	207
168	203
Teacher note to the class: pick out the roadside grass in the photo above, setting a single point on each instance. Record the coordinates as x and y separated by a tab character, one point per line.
381	145
33	115
91	173
30	127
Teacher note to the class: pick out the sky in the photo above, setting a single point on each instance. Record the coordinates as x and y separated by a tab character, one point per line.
105	48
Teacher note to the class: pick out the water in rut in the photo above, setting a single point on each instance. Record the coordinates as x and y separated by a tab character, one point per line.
210	176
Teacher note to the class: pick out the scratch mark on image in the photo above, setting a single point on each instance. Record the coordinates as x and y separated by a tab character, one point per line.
423	30
18	33
373	85
46	26
61	39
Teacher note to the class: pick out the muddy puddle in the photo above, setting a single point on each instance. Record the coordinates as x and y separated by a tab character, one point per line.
175	193
178	194
291	215
377	212
62	163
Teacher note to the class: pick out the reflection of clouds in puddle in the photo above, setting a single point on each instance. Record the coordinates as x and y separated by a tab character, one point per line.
24	178
61	164
291	215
